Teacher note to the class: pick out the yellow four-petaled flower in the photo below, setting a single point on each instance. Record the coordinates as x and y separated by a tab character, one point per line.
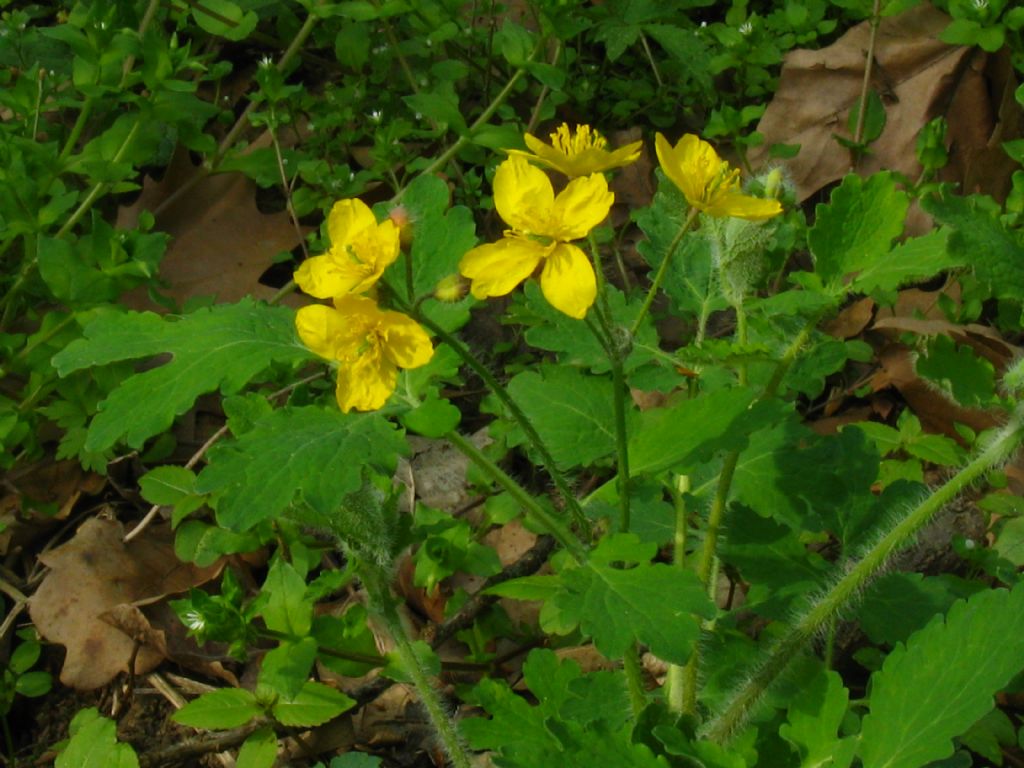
577	153
370	343
542	224
361	249
707	181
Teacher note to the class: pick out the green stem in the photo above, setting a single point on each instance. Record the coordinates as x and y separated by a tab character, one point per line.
659	276
571	503
485	116
100	189
76	130
677	697
862	110
734	714
533	510
383	604
634	681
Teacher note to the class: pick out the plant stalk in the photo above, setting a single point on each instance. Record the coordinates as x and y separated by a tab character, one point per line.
659	276
495	386
384	606
731	717
533	510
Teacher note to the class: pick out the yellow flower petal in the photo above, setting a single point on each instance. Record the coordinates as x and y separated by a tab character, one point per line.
361	249
366	383
577	153
404	342
744	207
568	281
680	164
496	268
707	182
348	220
581	206
323	330
523	195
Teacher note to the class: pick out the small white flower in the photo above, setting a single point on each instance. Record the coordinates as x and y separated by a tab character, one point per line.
746	27
376	115
266	62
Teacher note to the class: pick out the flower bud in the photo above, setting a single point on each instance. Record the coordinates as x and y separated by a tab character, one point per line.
450	289
400	216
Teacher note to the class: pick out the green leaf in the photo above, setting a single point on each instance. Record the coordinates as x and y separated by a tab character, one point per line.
899	604
220	347
441	235
259	750
309	453
199	542
286	609
970	379
94	744
316	704
167	485
981	240
691	431
286	668
69	278
571	411
942	681
909	262
433	417
574	342
219	710
814	719
224	18
856	229
653	604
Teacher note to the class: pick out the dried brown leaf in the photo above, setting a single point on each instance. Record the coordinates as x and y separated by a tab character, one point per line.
90	576
918	76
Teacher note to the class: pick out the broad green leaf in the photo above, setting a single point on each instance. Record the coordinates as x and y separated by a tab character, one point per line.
224	18
968	378
855	230
441	235
571	411
691	431
316	704
899	604
654	604
94	744
199	542
309	453
167	485
794	476
909	262
813	724
774	559
286	668
942	681
219	710
259	750
573	341
287	610
220	347
980	240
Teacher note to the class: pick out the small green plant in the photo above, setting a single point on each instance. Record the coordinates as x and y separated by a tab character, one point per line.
466	261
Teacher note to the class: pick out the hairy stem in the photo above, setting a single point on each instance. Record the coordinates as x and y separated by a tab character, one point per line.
734	714
383	604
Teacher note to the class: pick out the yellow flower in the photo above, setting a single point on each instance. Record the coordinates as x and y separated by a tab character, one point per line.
370	343
360	251
578	154
541	227
707	181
